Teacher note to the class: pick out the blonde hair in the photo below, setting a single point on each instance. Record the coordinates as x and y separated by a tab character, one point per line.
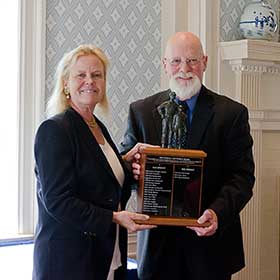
58	102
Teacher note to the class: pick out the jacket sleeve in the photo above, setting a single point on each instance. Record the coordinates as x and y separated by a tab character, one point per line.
57	182
130	137
238	165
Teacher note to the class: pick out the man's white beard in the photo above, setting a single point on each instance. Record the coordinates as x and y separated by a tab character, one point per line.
185	92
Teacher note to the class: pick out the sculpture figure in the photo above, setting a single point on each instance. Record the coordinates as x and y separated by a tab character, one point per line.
167	110
180	128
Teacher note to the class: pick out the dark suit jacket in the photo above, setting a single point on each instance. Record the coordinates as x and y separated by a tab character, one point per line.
220	128
77	193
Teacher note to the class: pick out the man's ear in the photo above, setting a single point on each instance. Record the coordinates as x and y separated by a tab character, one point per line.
205	61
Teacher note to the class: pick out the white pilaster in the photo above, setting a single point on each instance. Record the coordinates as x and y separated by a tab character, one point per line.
253	62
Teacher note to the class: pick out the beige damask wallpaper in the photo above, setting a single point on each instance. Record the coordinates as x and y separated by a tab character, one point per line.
129	32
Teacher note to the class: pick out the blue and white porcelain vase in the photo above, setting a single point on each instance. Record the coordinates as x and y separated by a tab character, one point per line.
258	21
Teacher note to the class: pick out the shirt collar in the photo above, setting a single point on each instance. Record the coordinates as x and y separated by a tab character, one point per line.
192	101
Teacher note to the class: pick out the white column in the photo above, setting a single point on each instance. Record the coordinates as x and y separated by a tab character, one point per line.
250	220
173	19
253	63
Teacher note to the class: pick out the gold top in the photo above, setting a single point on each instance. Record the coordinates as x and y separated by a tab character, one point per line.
92	123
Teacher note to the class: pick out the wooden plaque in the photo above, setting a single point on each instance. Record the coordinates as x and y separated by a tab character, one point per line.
170	186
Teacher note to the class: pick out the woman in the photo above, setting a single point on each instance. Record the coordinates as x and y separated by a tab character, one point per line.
82	182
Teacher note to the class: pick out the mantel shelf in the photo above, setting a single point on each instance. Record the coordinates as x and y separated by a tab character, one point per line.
250	50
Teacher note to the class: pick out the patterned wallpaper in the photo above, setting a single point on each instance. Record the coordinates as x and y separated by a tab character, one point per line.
230	12
129	32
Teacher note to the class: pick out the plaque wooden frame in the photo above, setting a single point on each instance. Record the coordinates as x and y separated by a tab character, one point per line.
163	203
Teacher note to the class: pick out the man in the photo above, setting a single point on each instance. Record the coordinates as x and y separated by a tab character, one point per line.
218	126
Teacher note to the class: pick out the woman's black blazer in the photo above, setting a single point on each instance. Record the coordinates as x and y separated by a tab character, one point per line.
77	193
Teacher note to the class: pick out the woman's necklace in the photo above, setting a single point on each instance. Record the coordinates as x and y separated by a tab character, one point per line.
92	123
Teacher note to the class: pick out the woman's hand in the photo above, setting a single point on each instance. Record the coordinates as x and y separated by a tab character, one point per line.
127	220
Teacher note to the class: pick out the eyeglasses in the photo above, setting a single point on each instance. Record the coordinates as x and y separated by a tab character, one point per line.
176	61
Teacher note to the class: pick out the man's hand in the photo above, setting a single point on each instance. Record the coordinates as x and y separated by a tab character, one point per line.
208	216
126	219
133	156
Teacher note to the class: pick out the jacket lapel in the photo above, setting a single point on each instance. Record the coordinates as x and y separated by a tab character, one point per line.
84	132
112	144
203	113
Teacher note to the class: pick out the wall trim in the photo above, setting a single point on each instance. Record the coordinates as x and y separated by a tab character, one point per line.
31	103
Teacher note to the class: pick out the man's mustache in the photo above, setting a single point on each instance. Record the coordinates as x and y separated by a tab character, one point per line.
183	75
